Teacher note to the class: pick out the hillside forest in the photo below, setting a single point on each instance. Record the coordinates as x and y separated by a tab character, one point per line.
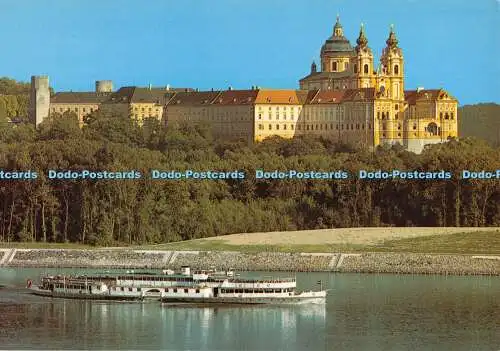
139	211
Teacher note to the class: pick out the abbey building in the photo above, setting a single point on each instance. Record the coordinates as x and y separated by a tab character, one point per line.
351	99
412	118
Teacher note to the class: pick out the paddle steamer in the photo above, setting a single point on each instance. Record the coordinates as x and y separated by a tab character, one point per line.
200	287
123	286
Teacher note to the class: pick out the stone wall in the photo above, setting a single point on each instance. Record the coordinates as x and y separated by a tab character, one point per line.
420	263
263	261
87	258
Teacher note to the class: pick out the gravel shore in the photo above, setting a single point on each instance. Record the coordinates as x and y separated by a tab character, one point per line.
404	263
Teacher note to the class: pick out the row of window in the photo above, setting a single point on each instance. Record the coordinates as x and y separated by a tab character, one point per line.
446	115
285	108
143	109
336	66
366	68
69	286
292	117
319	126
212	118
76	109
385	115
254	291
144	116
185	290
285	127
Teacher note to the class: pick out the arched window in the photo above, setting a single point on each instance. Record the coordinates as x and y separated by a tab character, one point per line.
355	68
432	128
366	68
396	69
334	66
346	65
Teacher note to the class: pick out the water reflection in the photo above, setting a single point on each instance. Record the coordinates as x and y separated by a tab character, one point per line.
89	324
363	312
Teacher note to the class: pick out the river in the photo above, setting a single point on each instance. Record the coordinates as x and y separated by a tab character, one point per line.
362	312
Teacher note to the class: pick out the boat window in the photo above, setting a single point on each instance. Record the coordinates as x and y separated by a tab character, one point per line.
186	291
175	290
129	289
197	291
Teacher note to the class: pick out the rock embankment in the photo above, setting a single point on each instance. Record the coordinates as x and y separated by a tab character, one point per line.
86	258
421	264
263	261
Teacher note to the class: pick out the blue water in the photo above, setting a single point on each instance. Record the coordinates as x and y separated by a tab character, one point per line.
363	312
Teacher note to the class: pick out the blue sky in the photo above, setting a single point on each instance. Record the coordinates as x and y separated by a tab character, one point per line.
270	43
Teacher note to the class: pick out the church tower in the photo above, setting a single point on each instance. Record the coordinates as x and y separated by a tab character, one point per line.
314	69
390	103
362	62
392	67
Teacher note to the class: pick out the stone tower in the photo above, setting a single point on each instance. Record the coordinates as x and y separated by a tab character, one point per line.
39	99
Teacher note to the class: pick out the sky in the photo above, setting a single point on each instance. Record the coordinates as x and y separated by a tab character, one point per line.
451	44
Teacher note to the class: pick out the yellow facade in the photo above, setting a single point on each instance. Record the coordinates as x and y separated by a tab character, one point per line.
277	113
350	101
80	109
141	111
410	118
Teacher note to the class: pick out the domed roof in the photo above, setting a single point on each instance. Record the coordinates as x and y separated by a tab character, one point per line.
337	42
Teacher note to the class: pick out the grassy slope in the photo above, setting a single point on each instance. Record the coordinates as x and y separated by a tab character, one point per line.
483	242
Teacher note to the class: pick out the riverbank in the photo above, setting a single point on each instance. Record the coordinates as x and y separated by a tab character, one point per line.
366	262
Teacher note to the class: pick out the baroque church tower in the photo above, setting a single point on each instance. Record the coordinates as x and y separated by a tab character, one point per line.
362	63
391	70
390	103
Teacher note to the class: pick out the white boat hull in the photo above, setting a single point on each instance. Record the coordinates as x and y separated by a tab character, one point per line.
318	297
94	296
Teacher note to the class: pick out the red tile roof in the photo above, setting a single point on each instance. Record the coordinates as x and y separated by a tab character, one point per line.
411	96
282	97
236	97
328	97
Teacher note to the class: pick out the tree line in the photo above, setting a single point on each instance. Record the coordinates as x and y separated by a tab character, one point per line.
14	99
143	211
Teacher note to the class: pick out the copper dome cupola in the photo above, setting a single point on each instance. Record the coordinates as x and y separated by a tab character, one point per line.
337	42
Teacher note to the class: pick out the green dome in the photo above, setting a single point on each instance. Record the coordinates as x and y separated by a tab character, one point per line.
336	44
